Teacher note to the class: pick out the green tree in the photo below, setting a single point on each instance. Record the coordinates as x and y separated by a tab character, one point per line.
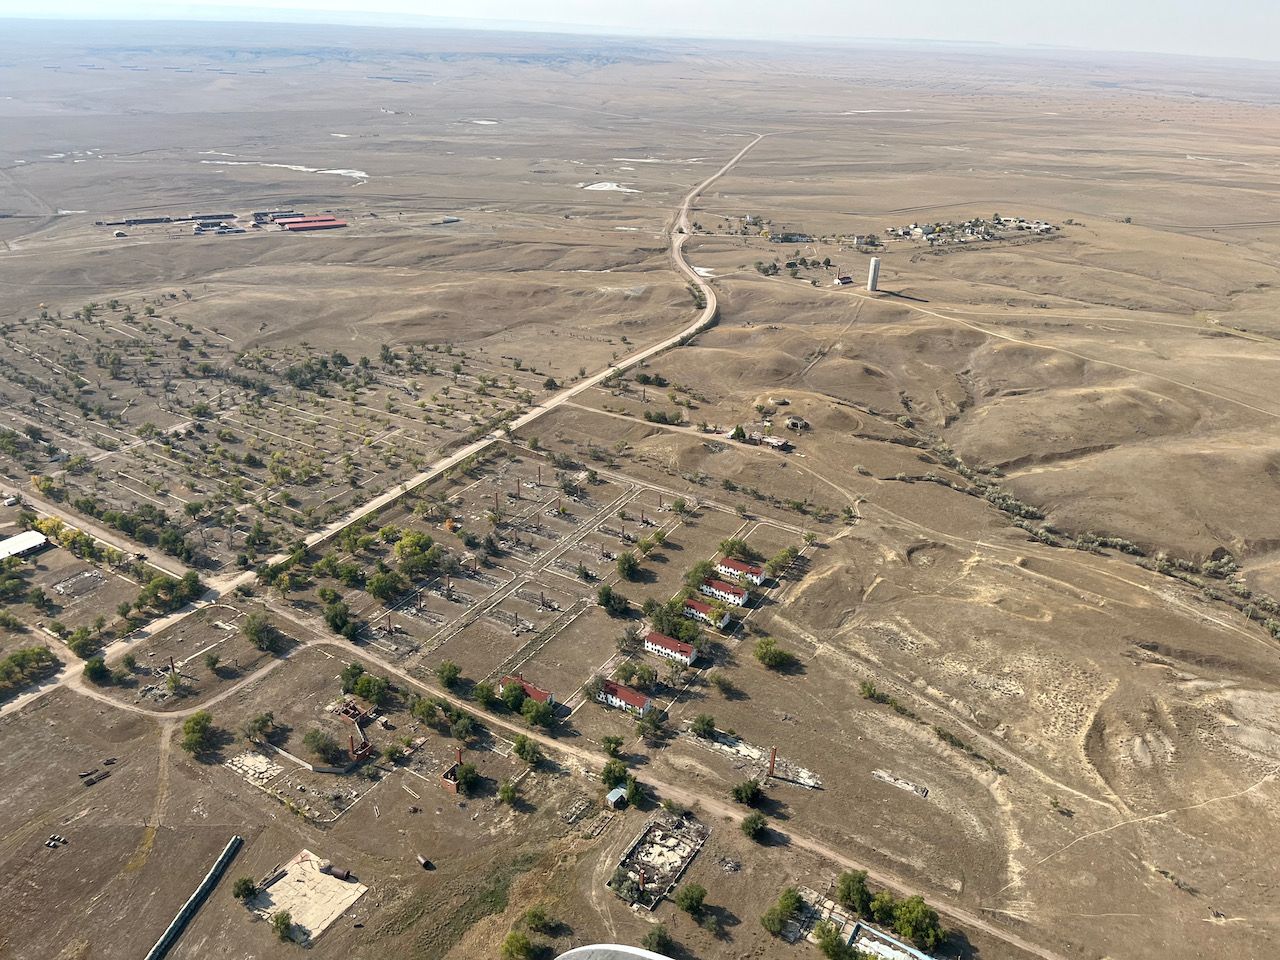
349	675
747	792
198	732
463	727
852	892
614	603
614	774
784	910
513	696
96	672
468	778
324	746
538	920
257	629
483	694
244	889
690	898
517	946
884	907
612	744
832	944
658	940
526	749
211	661
386	585
448	674
537	713
915	920
635	792
259	726
628	566
507	793
753	824
704	725
282	924
772	656
374	690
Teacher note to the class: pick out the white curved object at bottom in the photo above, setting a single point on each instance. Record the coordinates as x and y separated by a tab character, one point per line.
610	951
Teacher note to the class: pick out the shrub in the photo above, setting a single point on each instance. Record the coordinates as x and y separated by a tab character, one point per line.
468	778
375	690
244	889
516	946
614	774
96	672
538	920
657	940
257	629
852	892
747	792
753	825
448	673
704	725
772	656
282	924
690	898
198	732
883	907
916	921
526	750
323	746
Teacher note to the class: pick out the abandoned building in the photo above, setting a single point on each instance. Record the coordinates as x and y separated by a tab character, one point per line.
670	648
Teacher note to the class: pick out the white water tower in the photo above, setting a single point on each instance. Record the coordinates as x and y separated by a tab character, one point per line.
873	275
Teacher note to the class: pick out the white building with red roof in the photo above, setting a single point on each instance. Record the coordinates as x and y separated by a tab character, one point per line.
697	610
530	691
726	592
670	648
621	697
733	568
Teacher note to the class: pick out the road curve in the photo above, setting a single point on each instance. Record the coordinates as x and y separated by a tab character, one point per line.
677	229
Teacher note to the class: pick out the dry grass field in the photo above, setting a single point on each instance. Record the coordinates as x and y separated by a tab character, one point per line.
1033	486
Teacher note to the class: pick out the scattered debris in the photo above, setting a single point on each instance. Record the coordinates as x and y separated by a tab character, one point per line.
884	776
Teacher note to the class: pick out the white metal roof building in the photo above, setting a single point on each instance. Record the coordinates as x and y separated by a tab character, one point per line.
610	951
22	544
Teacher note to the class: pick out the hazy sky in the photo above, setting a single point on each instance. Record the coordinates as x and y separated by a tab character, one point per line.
1240	28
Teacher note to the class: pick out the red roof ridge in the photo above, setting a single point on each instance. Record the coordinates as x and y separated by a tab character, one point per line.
721	585
671	643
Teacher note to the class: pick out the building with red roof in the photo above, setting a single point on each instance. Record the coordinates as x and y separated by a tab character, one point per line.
697	610
670	648
530	691
733	567
621	697
726	592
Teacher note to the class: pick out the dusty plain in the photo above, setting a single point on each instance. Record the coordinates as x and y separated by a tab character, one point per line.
1034	497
